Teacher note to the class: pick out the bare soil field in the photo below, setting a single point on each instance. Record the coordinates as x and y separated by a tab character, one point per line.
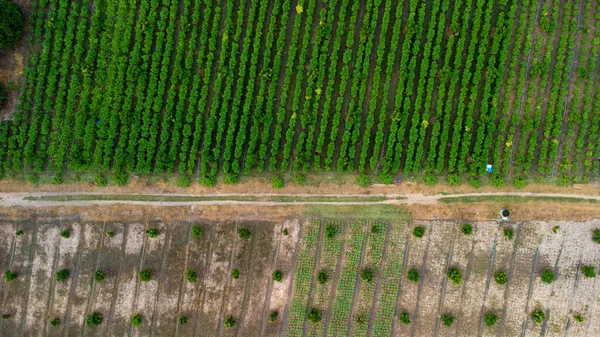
300	243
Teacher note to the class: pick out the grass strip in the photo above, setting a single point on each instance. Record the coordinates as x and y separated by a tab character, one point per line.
180	198
519	199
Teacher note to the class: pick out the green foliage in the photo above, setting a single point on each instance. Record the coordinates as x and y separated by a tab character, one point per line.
314	316
277	182
363	180
475	182
10	276
497	180
413	275
300	179
466	229
231	179
447	319
196	232
229	322
99	275
386	178
547	276
596	236
430	178
3	96
55	322
110	234
405	317
137	320
191	276
65	233
5	316
453	179
285	232
556	228
62	275
378	228
11	24
579	318
278	275
120	178
57	179
19	232
273	316
244	233
152	232
235	273
322	277
330	231
32	178
508	233
454	275
491	319
538	316
588	271
100	180
146	275
419	231
185	181
367	275
183	320
519	182
501	277
94	319
360	319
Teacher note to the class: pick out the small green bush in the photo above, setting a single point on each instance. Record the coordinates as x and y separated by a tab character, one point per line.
377	228
501	277
404	317
386	178
447	319
65	234
152	232
191	276
273	316
588	271
10	276
231	179
235	274
491	319
579	318
3	95
185	181
205	180
301	179
99	275
32	178
430	178
120	178
56	179
100	180
596	236
285	232
363	180
555	229
497	180
11	24
5	316
137	320
19	232
62	275
94	319
244	233
330	231
145	275
547	276
314	315
278	275
519	182
277	182
454	275
322	277
110	234
229	322
475	182
453	179
538	316
183	320
196	232
55	322
413	275
466	229
367	275
419	231
508	233
360	319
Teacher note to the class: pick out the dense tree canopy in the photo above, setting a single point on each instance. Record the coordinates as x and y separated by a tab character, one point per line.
11	23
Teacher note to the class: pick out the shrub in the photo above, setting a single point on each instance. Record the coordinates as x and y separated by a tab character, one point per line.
56	179
579	318
501	277
277	182
490	319
447	319
285	232
231	179
278	275
99	275
99	180
301	179
547	276
497	180
244	233
196	232
330	231
360	319
404	317
314	315
322	277
430	178
5	316
146	275
508	233
273	316
94	319
55	322
183	320
413	275
555	229
10	276
466	229
110	234
3	96
62	275
419	231
229	322
185	181
588	271
137	319
235	274
120	178
191	276
453	179
475	182
519	182
152	232
205	180
386	178
11	24
596	236
65	234
19	232
367	275
363	180
377	228
33	179
538	316
454	275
